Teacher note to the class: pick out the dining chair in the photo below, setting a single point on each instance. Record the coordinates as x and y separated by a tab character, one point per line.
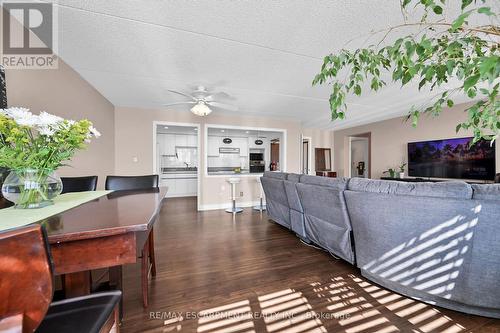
26	287
122	183
79	184
497	178
148	263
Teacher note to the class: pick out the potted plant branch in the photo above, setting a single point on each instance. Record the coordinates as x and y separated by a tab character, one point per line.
452	55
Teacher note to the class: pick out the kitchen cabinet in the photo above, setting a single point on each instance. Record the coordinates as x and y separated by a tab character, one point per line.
214	142
180	185
168	145
192	141
170	183
181	140
241	143
192	186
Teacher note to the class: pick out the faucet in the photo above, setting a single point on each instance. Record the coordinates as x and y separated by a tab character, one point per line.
187	165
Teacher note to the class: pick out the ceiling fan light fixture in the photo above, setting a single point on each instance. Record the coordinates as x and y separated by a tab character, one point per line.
201	109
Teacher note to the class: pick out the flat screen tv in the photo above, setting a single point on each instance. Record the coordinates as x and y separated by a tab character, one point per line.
452	158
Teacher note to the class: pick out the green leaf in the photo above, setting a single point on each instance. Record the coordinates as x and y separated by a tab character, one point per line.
438	10
357	89
460	20
466	3
486	11
449	103
470	81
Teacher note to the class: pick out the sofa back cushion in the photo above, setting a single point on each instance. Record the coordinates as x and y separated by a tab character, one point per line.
275	174
451	189
291	192
337	183
325	215
293	177
276	199
486	191
400	238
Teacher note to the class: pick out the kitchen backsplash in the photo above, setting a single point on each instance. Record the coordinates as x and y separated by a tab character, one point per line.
228	161
184	155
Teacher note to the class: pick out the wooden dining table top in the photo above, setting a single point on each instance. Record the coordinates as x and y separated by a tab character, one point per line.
118	212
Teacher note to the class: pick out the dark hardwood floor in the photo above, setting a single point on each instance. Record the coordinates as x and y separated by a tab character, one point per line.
219	274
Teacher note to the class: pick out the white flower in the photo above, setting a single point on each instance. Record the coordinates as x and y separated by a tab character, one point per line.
48	123
47	119
93	131
46	130
21	116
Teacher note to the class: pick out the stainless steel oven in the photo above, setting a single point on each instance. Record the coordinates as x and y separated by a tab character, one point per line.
257	163
256	157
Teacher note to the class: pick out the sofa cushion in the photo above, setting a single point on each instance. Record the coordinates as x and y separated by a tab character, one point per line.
338	183
486	191
275	174
448	189
293	177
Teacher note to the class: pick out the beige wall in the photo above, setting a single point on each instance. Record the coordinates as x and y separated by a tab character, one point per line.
65	93
390	138
134	139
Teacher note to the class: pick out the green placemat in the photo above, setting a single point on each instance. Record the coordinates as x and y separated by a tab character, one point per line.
13	218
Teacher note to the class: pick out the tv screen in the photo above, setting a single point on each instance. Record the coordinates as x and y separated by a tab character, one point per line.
452	158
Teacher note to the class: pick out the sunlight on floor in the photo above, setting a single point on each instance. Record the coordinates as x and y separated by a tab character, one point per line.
347	304
288	311
234	317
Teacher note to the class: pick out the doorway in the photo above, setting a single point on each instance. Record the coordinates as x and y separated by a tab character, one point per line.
176	157
275	155
360	156
306	155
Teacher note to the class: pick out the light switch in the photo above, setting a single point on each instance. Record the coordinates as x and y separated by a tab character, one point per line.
135	159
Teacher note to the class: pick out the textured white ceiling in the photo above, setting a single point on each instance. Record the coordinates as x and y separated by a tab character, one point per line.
263	53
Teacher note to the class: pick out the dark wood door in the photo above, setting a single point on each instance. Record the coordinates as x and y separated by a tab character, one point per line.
275	152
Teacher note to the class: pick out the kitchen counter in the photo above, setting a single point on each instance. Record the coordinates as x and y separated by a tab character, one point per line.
230	172
184	171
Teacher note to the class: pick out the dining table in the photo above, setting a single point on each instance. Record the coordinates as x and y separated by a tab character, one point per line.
108	231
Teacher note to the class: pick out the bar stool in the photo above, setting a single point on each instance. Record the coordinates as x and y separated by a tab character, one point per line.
261	206
233	181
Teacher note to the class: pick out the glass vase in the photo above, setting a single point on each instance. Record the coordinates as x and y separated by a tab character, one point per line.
31	188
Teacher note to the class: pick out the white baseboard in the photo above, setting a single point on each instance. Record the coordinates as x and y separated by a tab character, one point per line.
181	195
228	205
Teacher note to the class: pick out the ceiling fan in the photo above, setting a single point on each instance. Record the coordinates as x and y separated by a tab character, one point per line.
202	100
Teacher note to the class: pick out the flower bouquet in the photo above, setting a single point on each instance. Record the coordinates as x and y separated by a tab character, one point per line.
32	147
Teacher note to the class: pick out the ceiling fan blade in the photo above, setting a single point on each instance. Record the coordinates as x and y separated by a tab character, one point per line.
179	103
223	106
181	93
216	96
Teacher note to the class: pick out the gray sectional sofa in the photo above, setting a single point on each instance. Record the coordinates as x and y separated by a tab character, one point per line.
436	242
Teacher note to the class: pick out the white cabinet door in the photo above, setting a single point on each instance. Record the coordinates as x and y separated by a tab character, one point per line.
213	146
170	183
251	142
169	144
181	140
242	143
192	186
192	141
181	186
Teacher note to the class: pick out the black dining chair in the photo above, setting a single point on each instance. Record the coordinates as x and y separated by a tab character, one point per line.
497	178
123	183
79	184
148	263
27	289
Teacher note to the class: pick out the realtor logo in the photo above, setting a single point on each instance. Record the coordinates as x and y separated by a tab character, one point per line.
28	35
